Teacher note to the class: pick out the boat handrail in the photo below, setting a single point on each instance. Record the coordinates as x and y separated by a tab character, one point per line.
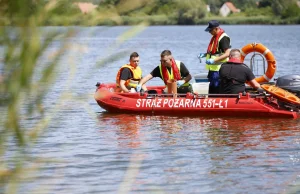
234	95
165	95
251	95
254	63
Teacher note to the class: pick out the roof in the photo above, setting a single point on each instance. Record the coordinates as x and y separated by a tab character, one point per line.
231	7
86	7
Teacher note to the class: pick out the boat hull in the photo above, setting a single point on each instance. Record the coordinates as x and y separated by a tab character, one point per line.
188	104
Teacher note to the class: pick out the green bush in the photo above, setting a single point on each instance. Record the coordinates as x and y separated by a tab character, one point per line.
190	11
266	11
291	11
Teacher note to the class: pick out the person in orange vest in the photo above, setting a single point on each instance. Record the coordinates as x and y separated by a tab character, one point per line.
217	53
170	69
129	75
234	74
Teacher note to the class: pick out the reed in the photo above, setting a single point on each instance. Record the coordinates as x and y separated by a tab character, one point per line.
28	69
25	81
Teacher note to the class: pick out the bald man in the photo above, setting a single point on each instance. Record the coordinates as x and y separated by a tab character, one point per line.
234	74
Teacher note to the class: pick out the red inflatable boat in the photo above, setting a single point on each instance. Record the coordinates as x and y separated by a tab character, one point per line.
156	102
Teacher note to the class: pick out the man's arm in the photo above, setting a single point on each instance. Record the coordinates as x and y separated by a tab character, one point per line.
225	47
145	79
125	75
123	87
224	56
251	77
185	73
254	84
187	78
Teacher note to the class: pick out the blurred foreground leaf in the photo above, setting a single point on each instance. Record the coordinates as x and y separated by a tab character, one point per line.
29	61
26	75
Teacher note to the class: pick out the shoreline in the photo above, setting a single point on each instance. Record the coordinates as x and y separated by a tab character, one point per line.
161	20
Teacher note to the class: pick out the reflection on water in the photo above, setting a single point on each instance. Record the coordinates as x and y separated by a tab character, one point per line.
127	128
215	154
221	131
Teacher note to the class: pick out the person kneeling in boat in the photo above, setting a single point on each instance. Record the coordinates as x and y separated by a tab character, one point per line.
129	75
234	74
170	69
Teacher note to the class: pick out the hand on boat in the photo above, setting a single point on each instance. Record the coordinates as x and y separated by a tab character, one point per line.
260	90
210	61
202	55
138	88
180	82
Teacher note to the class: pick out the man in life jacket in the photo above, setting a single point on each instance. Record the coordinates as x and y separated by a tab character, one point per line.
170	69
217	53
129	75
234	74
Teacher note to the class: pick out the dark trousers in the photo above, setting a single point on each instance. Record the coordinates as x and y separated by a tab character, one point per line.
214	82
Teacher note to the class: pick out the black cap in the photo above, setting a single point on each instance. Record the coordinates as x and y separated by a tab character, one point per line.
212	24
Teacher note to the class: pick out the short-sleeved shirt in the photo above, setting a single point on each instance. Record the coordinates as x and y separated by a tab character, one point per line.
126	74
184	72
233	77
224	44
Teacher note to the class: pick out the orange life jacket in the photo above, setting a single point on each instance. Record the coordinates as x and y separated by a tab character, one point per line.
136	76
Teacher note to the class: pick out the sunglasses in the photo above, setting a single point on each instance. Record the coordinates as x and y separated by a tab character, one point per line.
164	61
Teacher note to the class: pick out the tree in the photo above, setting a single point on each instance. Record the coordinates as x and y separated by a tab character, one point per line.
65	7
291	11
214	5
265	3
109	2
281	6
190	11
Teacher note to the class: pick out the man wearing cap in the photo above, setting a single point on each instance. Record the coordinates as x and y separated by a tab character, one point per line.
217	53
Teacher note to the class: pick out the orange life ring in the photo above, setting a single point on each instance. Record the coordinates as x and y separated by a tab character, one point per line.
281	94
258	47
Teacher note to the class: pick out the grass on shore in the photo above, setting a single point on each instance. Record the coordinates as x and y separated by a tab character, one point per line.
93	20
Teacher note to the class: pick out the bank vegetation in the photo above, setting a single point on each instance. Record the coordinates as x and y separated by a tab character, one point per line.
166	12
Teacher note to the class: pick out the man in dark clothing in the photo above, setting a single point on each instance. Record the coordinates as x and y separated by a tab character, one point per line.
234	74
170	69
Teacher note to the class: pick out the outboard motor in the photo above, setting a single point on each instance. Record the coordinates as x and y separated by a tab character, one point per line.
290	83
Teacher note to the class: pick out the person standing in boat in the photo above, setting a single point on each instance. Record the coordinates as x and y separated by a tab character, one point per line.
170	69
217	53
129	75
234	74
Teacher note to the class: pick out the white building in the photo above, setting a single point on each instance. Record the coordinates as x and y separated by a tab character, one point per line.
228	8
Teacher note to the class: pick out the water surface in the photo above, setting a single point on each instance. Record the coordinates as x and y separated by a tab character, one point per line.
110	153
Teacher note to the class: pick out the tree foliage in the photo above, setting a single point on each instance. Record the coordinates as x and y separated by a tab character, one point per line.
16	11
130	12
65	7
283	8
190	11
291	10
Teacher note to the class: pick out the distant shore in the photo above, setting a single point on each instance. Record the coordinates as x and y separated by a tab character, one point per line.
164	20
88	20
